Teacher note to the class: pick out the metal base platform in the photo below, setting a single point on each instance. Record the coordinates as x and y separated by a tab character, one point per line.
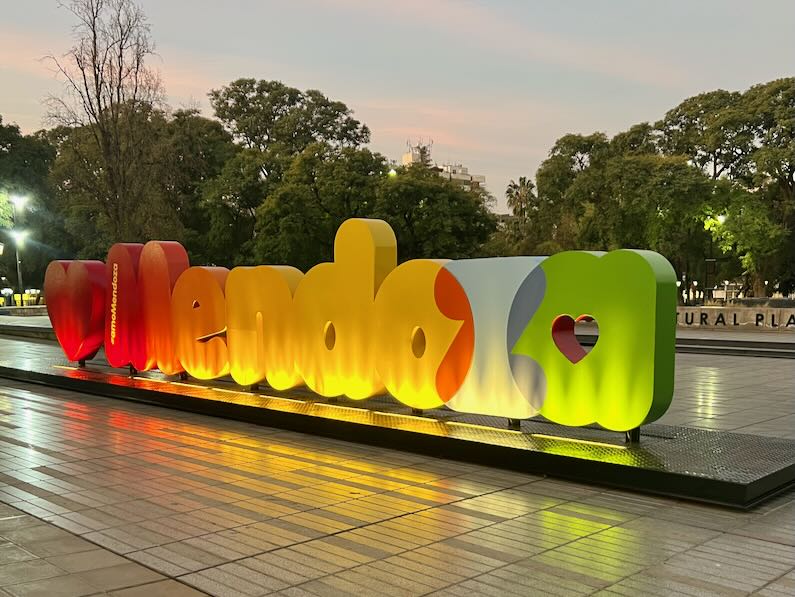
731	469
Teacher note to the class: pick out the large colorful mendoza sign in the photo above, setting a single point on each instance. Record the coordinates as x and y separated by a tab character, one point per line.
489	336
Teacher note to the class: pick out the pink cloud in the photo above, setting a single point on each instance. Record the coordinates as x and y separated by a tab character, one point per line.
24	53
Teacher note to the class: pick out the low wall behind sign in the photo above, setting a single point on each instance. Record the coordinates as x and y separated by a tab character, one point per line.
738	318
488	336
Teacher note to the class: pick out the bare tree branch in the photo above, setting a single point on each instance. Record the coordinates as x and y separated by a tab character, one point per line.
109	89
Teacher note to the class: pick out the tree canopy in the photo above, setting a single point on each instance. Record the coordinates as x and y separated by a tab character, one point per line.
711	186
25	162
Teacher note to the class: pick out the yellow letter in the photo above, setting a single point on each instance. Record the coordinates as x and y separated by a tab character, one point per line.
259	335
333	311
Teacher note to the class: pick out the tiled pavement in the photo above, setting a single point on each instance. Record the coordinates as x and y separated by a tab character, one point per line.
236	509
730	393
35	321
37	558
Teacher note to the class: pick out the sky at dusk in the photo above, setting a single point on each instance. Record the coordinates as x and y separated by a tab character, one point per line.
493	83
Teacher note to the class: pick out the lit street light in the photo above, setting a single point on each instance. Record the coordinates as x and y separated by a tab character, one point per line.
19	237
711	261
18	203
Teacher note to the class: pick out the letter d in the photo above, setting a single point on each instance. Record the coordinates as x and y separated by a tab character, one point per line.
333	311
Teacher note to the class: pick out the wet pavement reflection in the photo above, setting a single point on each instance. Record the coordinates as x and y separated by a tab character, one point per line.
232	508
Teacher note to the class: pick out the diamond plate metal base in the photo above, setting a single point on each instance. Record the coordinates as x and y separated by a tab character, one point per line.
733	469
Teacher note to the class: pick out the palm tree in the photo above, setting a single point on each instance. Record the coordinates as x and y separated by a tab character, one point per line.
521	197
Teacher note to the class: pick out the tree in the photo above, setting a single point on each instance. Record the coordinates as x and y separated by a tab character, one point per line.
191	156
284	131
521	197
640	139
713	129
25	161
522	231
323	187
267	114
752	231
82	196
434	217
111	95
568	190
772	109
24	164
596	193
230	200
748	139
282	121
767	242
655	202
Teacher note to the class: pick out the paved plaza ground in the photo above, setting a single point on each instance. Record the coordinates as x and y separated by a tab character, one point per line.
110	496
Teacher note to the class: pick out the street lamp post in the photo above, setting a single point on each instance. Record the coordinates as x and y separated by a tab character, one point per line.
17	204
711	261
19	240
19	279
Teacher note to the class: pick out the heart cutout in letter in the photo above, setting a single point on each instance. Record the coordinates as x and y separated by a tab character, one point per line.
565	338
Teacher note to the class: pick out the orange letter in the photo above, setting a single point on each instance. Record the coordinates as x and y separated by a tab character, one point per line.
198	317
160	265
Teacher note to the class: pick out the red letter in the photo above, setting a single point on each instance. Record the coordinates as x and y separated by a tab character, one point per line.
124	339
75	295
